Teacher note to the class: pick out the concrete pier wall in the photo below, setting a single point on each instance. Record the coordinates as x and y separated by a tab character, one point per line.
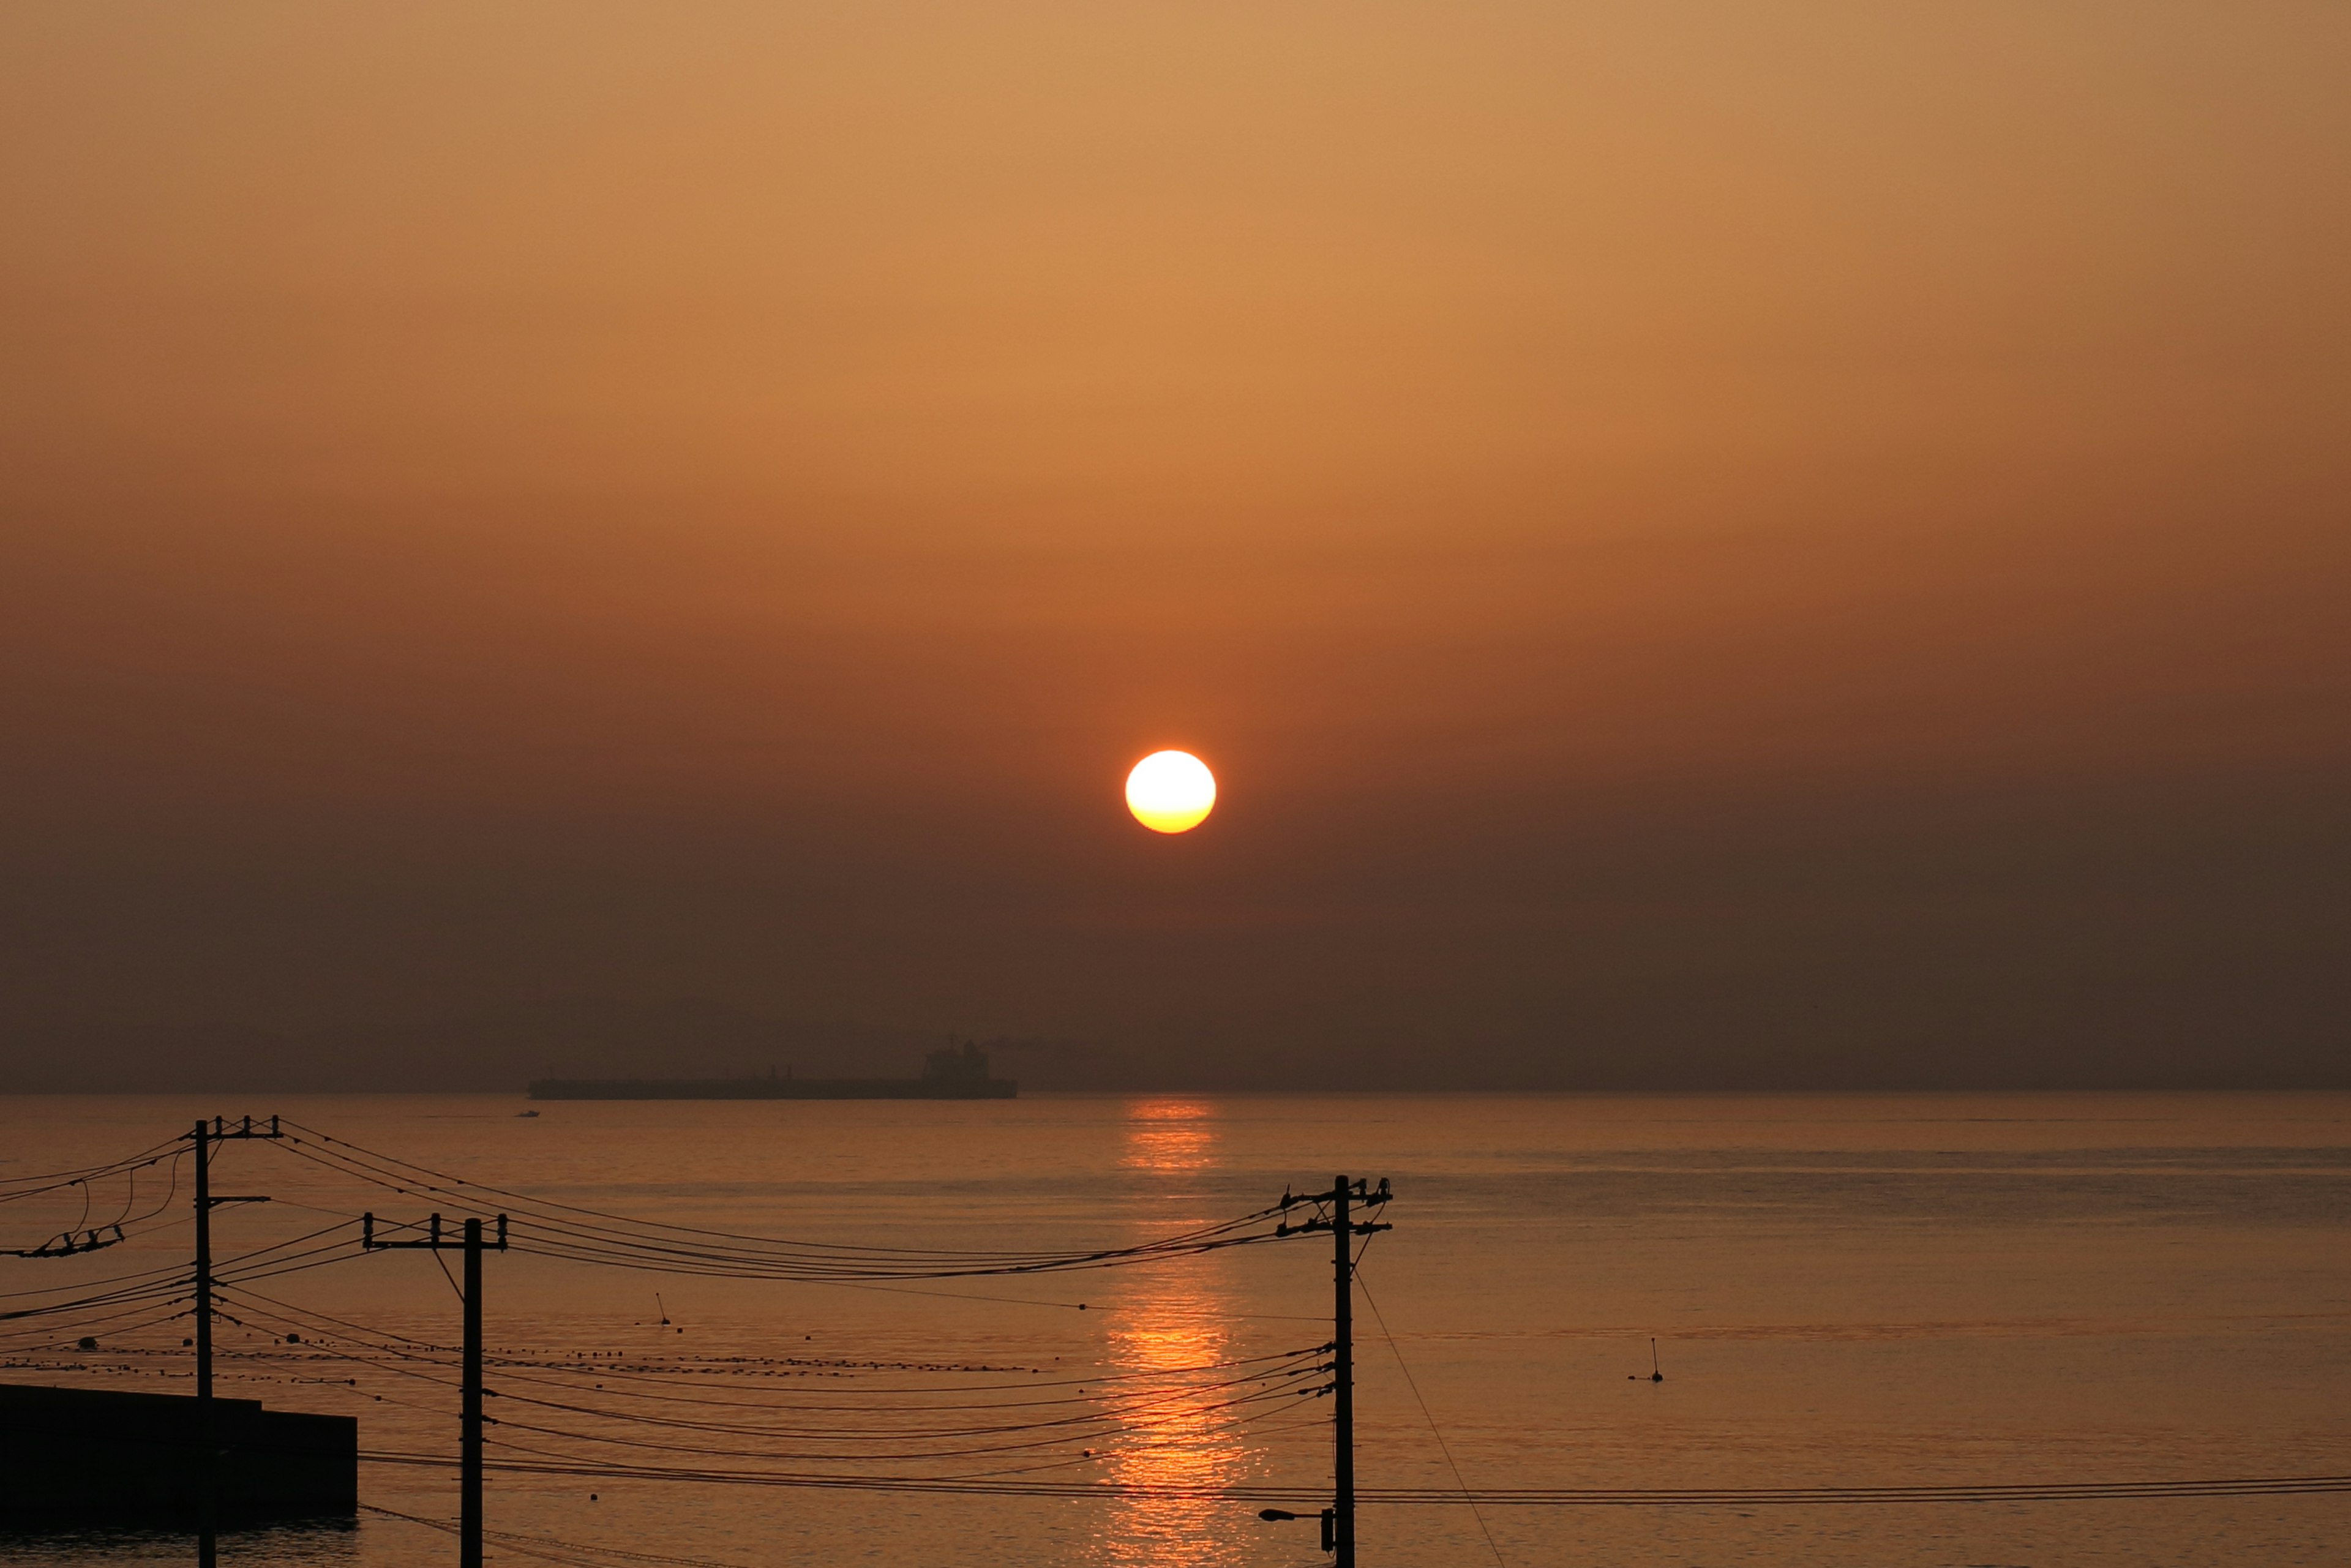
98	1456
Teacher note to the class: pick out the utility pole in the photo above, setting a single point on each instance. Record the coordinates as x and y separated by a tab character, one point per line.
1343	1361
207	1466
1339	1520
470	1420
207	1434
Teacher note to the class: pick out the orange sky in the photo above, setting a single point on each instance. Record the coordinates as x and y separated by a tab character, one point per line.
1756	534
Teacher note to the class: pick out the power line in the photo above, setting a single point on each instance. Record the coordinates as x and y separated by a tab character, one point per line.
517	1542
1112	1425
169	1282
1414	1384
1635	1497
592	1235
514	1369
13	1189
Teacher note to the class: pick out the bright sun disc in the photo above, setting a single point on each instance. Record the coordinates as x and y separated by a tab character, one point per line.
1171	792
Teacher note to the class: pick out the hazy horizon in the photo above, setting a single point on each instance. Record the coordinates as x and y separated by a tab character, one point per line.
501	1052
1706	547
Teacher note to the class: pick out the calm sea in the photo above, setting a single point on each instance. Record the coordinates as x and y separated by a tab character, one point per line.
1843	1291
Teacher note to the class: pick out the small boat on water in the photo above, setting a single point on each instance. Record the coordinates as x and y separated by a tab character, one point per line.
525	1113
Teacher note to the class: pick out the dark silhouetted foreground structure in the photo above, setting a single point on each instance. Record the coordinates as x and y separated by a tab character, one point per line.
79	1455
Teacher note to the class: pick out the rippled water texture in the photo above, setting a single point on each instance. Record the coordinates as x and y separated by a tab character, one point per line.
1843	1289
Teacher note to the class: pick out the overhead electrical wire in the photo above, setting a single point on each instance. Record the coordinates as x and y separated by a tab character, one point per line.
885	1414
521	1545
125	1222
172	1270
262	1263
1112	1381
82	1327
510	1538
1095	1410
576	1368
1356	1277
1239	1395
592	1235
15	1187
1634	1497
1840	1495
1117	1410
1108	1423
557	1410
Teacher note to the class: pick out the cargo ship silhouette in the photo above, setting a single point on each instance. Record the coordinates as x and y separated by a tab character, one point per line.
949	1074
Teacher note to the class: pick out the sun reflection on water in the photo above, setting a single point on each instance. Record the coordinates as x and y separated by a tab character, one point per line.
1177	1317
1169	1137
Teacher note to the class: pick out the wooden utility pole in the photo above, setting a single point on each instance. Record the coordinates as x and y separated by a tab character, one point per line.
208	1450
207	1134
470	1420
469	1449
1339	1519
1343	1362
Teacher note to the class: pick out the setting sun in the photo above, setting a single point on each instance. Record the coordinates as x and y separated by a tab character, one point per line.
1171	792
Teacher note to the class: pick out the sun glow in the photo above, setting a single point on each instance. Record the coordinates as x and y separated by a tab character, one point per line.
1171	792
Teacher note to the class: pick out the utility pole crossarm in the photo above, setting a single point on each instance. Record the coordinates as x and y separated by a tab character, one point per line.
432	1241
221	1132
1359	1227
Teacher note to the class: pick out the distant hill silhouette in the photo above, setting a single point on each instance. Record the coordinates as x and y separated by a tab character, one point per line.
503	1049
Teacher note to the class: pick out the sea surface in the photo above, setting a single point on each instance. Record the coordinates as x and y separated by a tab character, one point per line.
1842	1291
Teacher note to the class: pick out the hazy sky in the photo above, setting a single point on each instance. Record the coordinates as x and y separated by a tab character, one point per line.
1771	541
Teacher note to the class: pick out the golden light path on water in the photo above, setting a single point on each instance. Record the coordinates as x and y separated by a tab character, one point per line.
1179	1318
